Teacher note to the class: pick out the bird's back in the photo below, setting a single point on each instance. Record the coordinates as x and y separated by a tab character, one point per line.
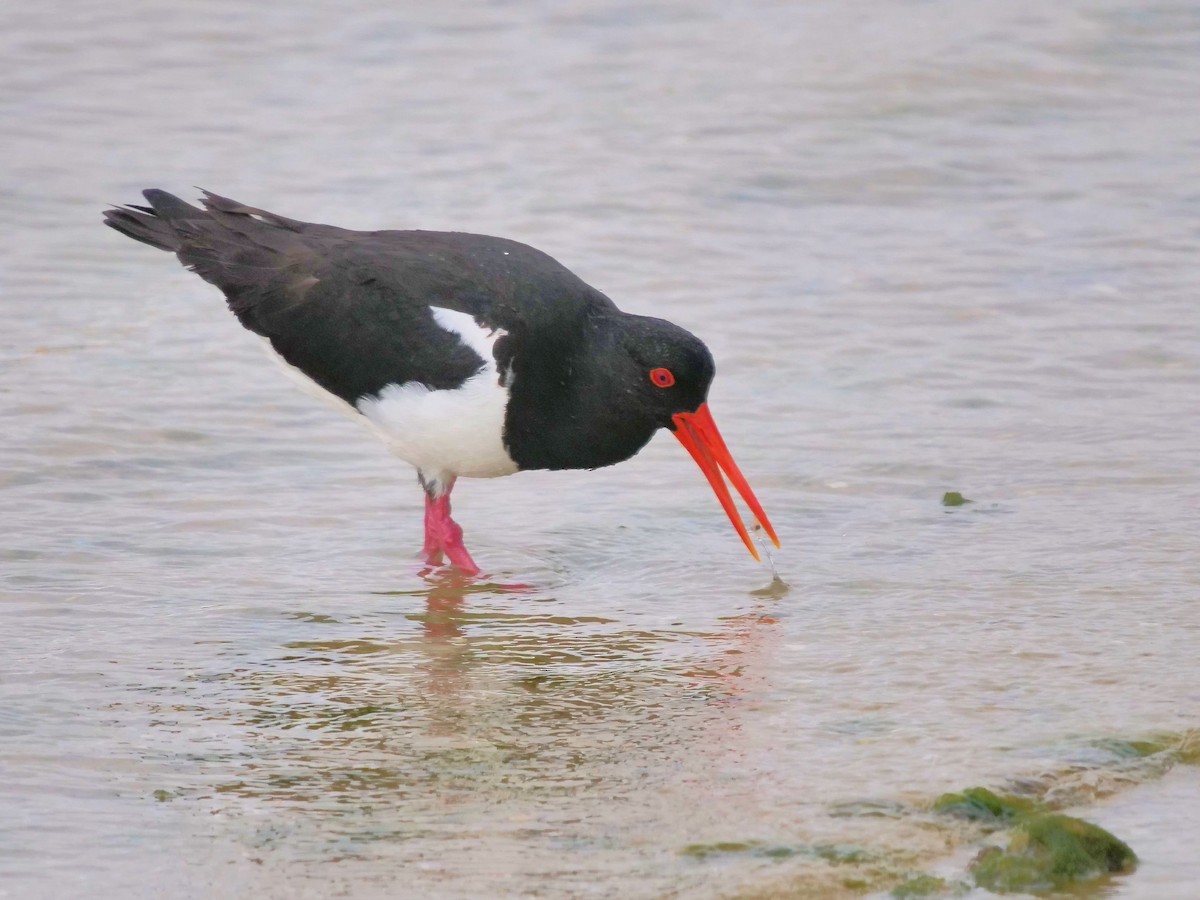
354	310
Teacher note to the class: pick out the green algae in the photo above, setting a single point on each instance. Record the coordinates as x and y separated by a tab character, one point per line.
978	804
1174	747
739	848
1189	749
1046	852
838	854
881	809
778	852
922	884
1124	749
1050	852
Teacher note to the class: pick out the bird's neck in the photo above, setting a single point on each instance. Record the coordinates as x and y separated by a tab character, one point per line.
565	410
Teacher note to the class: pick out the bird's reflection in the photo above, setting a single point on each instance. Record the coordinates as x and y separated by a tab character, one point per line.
492	689
445	646
445	595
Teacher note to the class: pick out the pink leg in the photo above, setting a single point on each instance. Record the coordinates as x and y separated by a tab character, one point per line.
433	544
444	535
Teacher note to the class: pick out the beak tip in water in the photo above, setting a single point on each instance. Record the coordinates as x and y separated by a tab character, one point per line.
699	435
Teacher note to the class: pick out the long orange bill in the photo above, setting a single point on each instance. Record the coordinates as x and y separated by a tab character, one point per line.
699	435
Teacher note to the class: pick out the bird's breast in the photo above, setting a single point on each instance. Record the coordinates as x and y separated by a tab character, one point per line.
454	431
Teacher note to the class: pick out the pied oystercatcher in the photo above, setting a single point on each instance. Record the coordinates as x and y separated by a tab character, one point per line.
466	354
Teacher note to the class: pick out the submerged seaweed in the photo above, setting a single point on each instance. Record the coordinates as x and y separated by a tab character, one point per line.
922	884
981	805
1046	852
1050	852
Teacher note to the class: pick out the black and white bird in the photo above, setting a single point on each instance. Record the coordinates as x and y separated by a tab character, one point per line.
467	355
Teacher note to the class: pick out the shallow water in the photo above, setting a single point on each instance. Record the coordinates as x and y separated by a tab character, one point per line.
933	247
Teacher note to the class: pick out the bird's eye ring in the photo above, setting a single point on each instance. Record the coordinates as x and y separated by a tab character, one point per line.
662	377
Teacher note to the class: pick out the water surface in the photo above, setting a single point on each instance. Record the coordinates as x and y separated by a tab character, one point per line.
933	247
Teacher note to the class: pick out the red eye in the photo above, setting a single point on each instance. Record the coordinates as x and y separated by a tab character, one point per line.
662	377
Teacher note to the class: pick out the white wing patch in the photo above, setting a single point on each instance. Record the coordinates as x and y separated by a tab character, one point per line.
447	433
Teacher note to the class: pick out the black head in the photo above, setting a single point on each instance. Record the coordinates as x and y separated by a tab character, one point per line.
670	374
598	399
663	369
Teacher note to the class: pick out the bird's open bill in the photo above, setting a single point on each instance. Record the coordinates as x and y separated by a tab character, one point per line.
699	435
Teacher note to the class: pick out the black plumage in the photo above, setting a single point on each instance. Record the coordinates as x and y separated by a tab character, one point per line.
351	310
566	380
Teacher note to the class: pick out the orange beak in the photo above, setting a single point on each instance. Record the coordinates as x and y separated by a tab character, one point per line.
699	435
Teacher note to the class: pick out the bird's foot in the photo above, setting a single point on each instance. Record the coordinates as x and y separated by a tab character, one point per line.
445	536
456	550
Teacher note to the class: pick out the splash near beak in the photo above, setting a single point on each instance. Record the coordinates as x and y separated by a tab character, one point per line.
699	435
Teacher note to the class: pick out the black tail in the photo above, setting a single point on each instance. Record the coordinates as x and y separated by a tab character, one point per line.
169	223
165	223
157	224
246	252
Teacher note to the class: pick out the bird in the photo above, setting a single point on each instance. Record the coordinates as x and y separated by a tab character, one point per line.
470	356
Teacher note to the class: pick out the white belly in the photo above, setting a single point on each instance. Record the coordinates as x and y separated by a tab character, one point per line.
443	433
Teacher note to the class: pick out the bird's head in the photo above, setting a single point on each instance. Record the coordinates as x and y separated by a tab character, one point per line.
668	373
